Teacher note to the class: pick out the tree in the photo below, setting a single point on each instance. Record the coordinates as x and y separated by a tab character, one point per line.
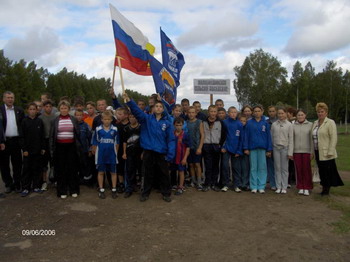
260	79
297	80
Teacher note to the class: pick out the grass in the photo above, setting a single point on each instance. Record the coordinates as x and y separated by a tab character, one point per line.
343	150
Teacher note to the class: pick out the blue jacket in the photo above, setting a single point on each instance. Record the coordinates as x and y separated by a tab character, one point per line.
156	135
234	138
85	136
257	135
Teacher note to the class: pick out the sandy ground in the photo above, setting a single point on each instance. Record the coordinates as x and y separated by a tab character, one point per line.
197	226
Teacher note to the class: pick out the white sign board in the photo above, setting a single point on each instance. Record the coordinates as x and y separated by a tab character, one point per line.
212	86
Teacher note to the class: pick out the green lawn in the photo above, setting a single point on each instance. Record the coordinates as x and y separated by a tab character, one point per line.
343	150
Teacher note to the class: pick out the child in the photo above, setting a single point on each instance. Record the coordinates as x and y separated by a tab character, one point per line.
158	141
85	138
282	138
257	144
272	112
65	150
132	154
91	111
244	165
196	133
105	143
182	151
33	147
47	117
232	149
214	136
122	115
221	113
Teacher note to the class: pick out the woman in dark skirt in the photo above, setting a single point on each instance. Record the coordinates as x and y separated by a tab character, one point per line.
324	134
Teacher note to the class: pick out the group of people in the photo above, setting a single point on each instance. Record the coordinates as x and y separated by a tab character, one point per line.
135	146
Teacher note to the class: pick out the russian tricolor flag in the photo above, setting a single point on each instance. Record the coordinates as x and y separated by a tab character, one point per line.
132	46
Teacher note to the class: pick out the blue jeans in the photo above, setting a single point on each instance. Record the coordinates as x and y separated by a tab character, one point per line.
258	169
270	171
244	170
235	167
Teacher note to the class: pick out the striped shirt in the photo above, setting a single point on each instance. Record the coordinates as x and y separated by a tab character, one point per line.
65	130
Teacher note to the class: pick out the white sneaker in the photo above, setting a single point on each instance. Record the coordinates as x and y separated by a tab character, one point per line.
44	187
261	191
306	192
63	196
237	190
278	191
254	191
224	189
301	192
283	191
75	195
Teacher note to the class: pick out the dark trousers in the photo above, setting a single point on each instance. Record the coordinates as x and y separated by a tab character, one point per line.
12	151
235	169
211	155
66	165
32	168
328	172
244	172
155	161
133	164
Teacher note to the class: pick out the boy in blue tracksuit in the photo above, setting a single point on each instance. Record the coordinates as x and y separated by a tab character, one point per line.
158	141
257	144
232	149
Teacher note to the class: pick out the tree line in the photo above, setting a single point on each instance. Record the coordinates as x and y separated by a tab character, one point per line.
28	82
261	79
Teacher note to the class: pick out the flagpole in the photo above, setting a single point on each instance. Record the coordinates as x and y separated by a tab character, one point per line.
113	74
121	74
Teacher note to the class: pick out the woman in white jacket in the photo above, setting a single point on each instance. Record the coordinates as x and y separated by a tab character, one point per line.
302	153
324	134
282	140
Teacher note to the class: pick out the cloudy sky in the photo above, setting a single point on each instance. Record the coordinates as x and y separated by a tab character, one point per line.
214	35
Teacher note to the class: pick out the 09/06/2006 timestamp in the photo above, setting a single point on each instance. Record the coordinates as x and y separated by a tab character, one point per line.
38	232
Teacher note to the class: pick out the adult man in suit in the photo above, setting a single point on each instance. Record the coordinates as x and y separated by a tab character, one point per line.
11	118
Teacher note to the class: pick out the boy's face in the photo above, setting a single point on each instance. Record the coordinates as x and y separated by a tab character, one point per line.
191	114
101	106
243	120
79	107
282	115
198	107
132	119
232	113
90	110
79	116
32	111
158	108
121	116
48	109
39	106
106	120
258	112
272	112
219	104
247	112
151	101
141	105
178	127
185	106
213	113
177	111
221	115
43	98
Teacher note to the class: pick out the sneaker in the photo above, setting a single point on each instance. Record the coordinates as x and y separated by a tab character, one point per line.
193	184
215	188
114	194
44	187
37	190
306	192
283	191
174	188
253	191
179	191
278	191
237	190
261	191
127	194
75	195
224	189
273	188
143	198
101	194
289	186
24	193
63	196
301	192
167	199
200	188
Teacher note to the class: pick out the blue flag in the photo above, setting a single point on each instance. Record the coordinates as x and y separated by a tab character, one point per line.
164	82
173	60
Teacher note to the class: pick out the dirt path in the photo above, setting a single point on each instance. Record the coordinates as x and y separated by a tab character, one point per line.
196	226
